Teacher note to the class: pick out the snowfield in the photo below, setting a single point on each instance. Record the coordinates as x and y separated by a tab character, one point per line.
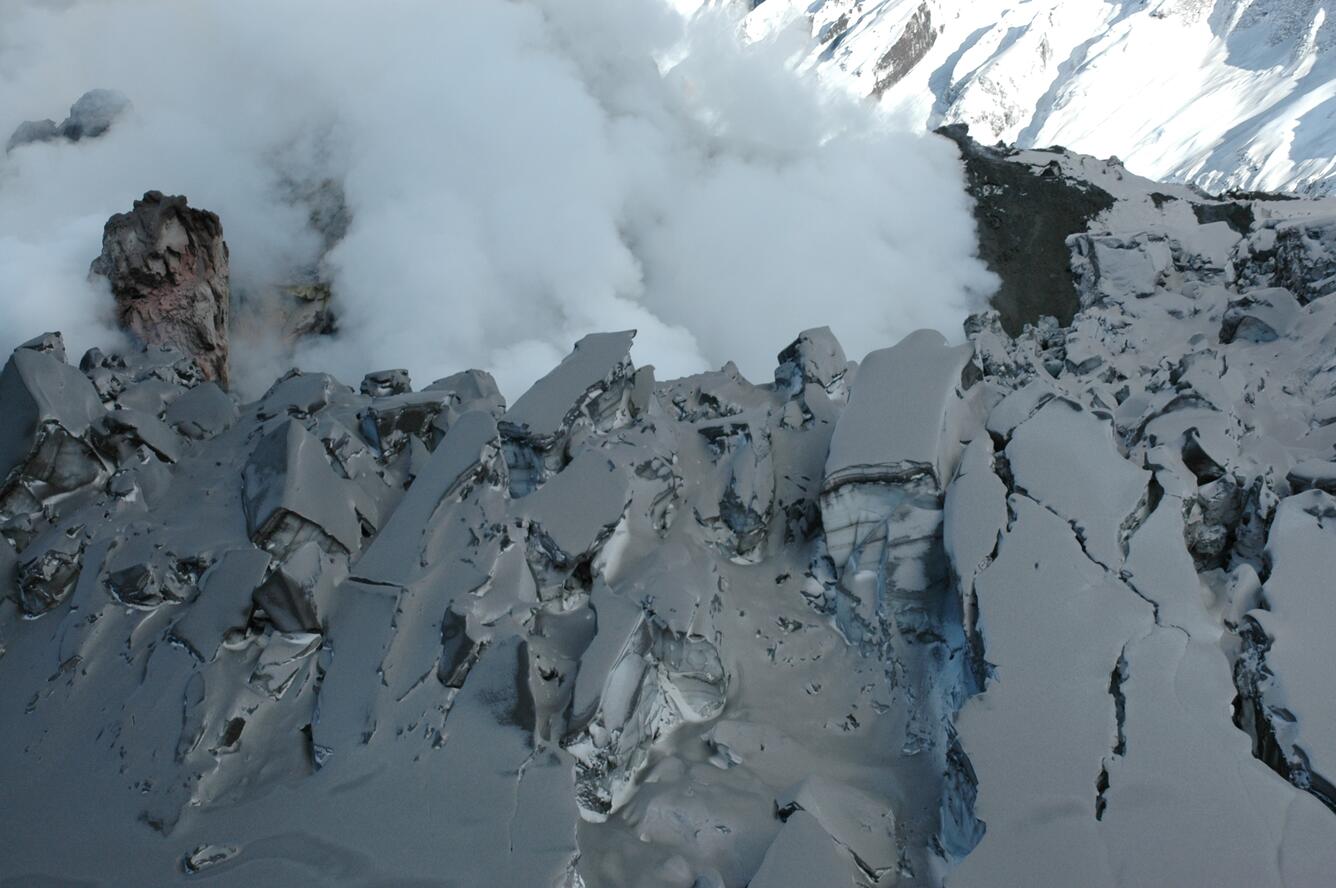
1236	94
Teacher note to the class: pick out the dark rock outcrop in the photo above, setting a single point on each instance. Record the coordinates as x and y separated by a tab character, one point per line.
913	45
30	131
1024	221
1297	254
91	116
167	264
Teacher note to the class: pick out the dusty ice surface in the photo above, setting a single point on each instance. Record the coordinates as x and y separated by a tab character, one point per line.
1050	610
341	637
1160	463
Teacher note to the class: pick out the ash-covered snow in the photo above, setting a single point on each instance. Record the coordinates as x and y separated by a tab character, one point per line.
1037	610
1154	457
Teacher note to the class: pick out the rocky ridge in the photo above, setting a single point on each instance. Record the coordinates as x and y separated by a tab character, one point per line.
1033	609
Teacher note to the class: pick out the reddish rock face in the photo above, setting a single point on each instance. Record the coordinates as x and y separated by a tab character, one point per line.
167	266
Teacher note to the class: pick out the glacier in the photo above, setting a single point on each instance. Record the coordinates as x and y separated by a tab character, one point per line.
1043	606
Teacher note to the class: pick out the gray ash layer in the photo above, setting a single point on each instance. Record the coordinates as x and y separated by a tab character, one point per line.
1035	610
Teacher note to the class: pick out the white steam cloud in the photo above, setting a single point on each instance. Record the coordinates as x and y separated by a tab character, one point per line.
518	174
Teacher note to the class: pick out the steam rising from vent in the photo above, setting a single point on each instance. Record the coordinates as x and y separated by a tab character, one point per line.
516	175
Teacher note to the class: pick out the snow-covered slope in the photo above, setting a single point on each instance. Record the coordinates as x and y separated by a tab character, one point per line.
1231	94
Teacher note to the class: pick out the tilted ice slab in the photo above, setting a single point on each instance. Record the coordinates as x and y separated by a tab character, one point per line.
1292	624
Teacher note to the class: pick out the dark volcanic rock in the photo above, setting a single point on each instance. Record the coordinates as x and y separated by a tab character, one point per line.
917	38
91	116
1237	214
30	131
167	265
1024	221
1297	254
